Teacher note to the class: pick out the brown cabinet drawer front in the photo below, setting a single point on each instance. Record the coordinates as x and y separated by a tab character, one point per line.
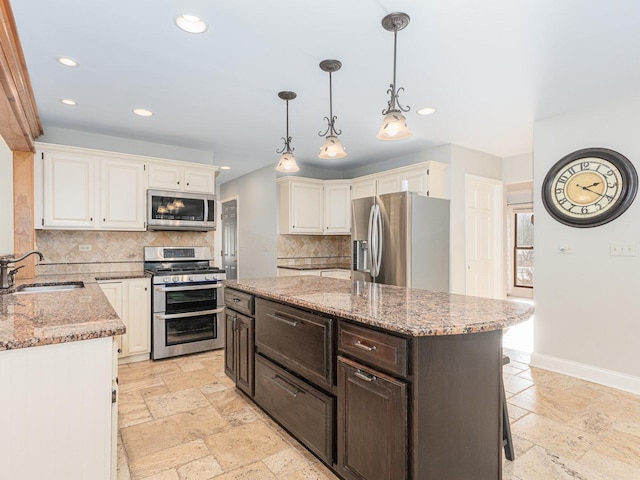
303	410
299	340
240	301
379	349
372	424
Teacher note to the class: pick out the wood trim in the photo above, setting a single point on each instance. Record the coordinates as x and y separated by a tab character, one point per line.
20	124
24	236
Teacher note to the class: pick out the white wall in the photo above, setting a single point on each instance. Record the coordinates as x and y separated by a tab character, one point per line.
6	199
464	161
587	303
517	169
257	221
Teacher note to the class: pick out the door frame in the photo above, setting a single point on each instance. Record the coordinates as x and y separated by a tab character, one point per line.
498	230
218	255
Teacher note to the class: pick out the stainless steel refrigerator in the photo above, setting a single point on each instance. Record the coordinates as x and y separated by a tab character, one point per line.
401	239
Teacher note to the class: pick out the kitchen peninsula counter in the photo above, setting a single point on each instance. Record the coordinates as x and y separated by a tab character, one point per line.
410	312
45	318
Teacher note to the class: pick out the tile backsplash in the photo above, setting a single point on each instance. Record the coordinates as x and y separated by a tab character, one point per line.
110	251
314	249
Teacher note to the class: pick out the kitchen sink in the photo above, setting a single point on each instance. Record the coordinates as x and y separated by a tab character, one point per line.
46	288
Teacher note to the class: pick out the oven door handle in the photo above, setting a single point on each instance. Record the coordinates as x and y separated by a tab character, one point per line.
188	287
161	316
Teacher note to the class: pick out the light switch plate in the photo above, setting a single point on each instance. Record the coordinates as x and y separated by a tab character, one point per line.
622	249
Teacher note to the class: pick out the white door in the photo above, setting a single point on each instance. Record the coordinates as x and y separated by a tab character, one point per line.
483	229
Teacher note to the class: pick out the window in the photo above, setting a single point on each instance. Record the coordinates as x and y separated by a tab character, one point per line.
523	246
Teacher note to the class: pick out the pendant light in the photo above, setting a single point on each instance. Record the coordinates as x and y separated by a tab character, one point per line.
331	147
287	161
394	125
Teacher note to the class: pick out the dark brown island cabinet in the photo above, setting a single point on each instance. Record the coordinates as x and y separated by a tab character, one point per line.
369	403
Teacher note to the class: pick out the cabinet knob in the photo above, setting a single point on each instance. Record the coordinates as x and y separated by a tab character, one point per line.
91	219
187	184
178	183
104	219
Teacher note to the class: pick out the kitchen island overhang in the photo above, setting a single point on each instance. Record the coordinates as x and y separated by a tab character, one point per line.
431	360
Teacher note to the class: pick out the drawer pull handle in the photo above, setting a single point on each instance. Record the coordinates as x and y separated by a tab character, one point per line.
283	320
275	379
237	300
364	376
367	348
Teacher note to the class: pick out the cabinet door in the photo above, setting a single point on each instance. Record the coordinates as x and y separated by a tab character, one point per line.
388	184
165	177
123	198
372	424
306	207
363	188
417	180
230	318
137	340
244	354
200	180
68	185
337	208
113	292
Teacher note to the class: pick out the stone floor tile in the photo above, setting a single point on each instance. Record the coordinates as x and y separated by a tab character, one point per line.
132	409
244	445
254	471
170	458
285	462
150	437
194	379
170	474
176	402
609	466
204	468
514	384
555	404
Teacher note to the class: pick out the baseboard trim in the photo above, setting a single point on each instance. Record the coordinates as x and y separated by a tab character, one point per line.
609	378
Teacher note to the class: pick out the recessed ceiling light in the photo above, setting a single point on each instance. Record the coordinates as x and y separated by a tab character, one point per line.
225	167
68	61
426	111
143	112
191	23
68	101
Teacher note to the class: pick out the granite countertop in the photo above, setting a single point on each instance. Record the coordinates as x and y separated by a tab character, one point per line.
327	266
402	310
34	319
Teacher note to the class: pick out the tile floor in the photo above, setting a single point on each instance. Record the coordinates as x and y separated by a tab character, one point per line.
184	419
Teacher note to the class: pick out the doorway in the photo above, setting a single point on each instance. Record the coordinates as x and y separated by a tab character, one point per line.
229	240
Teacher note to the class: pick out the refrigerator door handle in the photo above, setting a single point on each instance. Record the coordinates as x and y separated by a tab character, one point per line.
379	245
370	239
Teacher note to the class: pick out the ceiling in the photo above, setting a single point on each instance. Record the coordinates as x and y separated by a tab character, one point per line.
490	67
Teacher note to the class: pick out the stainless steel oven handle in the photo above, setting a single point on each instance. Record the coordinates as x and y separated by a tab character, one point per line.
161	316
188	287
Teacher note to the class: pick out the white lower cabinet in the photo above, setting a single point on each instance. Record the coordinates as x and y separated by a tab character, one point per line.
57	411
131	299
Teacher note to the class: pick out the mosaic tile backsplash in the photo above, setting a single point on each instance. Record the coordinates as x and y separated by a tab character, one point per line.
314	249
110	251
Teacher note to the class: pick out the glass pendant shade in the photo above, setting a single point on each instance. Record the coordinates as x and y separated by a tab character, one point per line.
287	163
332	148
394	127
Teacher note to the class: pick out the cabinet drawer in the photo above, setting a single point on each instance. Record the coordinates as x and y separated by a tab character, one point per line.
303	410
296	339
381	350
239	301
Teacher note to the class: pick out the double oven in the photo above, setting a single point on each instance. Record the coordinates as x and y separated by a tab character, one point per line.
187	301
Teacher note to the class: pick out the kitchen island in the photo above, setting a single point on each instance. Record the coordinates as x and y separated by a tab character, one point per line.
58	367
379	382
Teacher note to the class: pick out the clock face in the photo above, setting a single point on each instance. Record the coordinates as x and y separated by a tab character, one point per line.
589	187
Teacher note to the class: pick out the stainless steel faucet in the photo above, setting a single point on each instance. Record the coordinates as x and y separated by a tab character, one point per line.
6	275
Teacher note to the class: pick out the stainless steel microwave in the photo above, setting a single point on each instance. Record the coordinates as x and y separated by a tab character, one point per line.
167	210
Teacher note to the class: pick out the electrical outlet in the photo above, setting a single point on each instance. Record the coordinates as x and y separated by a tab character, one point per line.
622	249
84	248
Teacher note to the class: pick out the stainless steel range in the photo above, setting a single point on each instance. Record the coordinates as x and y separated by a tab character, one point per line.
187	301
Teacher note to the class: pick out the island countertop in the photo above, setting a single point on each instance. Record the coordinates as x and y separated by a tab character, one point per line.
407	311
34	319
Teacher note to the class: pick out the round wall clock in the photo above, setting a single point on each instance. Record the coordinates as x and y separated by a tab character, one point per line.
589	187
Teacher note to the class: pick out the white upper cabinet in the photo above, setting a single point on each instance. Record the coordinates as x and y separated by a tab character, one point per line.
337	207
167	176
309	206
122	192
426	178
68	190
